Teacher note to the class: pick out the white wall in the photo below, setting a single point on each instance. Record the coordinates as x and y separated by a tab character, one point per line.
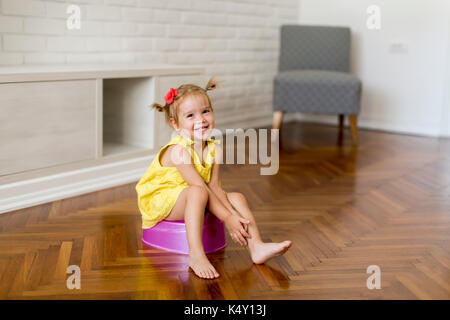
445	123
236	40
402	91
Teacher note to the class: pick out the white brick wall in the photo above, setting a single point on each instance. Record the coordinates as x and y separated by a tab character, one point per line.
236	40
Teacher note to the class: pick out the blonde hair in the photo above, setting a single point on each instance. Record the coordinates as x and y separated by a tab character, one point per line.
185	90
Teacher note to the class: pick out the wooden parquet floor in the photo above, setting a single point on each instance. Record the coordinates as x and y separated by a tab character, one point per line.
385	203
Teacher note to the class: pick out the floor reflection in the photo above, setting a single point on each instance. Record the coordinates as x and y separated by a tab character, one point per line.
170	274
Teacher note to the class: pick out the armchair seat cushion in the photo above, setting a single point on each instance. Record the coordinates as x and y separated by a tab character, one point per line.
317	91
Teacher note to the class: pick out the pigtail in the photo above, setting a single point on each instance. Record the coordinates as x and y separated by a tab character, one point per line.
211	85
158	107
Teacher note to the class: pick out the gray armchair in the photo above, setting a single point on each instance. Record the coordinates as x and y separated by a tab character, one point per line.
314	74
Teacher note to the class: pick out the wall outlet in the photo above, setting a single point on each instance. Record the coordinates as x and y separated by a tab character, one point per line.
398	47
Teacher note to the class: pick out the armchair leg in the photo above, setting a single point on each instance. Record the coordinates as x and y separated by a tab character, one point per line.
340	139
354	128
277	119
341	122
276	124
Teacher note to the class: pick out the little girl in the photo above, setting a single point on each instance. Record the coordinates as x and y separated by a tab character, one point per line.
176	188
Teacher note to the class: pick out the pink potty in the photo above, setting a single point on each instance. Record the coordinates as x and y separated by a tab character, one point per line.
171	235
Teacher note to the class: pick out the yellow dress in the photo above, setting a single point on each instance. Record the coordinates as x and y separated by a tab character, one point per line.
159	187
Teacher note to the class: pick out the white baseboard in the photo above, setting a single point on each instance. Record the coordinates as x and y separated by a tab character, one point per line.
371	124
23	194
376	124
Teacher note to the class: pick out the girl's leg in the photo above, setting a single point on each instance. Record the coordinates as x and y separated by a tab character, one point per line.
190	206
259	250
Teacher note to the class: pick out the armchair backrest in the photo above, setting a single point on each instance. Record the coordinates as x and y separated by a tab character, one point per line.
314	47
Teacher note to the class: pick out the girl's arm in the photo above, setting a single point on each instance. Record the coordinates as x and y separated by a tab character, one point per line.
184	165
236	225
214	182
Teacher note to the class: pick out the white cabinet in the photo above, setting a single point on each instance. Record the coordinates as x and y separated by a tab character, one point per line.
68	130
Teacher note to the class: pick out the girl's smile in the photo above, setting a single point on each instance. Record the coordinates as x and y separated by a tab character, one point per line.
195	118
201	128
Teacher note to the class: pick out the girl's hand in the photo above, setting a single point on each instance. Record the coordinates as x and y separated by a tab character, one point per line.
235	226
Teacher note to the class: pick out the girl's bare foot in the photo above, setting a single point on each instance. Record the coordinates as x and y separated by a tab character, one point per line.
202	267
261	252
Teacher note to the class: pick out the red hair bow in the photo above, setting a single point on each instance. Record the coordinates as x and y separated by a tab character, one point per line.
170	95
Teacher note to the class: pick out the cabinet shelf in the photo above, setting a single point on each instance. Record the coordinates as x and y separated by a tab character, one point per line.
128	122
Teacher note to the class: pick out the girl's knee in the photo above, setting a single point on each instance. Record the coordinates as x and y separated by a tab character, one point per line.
198	191
235	196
